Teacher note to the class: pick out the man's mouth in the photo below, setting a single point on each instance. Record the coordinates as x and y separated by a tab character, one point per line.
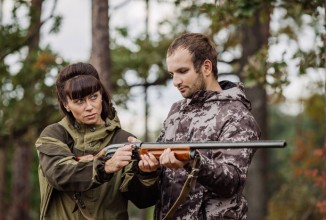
182	89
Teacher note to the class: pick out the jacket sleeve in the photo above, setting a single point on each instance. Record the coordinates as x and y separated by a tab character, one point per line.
59	165
140	188
224	171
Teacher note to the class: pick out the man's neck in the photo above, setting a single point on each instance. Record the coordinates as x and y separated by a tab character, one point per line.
213	85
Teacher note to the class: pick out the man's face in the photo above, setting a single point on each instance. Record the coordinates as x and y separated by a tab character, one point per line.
86	110
182	70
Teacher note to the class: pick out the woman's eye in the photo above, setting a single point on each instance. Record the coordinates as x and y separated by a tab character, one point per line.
94	96
78	101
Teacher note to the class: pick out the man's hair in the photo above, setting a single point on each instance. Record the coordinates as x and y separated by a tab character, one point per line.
77	81
199	46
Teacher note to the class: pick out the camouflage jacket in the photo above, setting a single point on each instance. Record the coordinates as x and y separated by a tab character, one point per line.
66	182
210	116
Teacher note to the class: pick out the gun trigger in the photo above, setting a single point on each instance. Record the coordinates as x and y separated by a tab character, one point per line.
135	155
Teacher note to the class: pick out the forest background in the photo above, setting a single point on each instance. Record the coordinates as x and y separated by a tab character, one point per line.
275	47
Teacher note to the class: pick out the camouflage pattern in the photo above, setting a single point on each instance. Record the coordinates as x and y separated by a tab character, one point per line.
101	195
210	116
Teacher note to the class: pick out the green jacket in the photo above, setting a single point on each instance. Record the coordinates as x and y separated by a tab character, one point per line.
72	189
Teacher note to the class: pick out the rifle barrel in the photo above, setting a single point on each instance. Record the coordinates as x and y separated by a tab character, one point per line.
218	144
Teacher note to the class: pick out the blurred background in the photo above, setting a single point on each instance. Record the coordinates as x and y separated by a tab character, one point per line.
275	47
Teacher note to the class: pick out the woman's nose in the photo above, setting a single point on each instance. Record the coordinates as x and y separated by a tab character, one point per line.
88	105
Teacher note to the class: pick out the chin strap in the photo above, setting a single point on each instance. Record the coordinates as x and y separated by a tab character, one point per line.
188	185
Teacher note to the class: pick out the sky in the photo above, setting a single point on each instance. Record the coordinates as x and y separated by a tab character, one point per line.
73	43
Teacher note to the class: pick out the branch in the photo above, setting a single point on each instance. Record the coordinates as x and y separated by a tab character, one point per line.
30	35
159	82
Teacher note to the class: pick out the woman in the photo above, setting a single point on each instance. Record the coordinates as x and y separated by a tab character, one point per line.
76	180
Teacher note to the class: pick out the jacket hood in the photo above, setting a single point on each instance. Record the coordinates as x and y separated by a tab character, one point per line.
230	92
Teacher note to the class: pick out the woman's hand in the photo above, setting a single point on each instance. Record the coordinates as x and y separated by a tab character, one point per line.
88	157
148	163
120	159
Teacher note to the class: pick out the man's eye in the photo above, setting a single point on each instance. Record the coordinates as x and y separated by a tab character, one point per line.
183	70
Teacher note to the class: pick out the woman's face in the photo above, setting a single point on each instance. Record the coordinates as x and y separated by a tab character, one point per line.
86	110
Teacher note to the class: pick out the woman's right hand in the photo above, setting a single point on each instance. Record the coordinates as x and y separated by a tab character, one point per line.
120	159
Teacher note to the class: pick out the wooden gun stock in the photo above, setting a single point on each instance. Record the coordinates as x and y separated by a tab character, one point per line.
181	153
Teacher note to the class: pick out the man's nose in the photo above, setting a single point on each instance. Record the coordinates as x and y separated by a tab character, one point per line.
176	80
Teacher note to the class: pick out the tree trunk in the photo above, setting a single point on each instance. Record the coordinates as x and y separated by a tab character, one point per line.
21	188
256	189
23	153
100	54
255	35
2	181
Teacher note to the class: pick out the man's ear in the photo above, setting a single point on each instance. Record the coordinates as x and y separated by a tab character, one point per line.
207	67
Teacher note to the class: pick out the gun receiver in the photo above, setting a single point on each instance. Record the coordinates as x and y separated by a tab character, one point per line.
186	150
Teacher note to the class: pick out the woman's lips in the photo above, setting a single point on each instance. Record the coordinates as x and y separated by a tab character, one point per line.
90	116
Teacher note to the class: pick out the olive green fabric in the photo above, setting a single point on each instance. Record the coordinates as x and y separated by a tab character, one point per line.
62	177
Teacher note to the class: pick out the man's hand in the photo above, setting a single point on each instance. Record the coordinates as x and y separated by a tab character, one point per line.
120	159
148	162
168	160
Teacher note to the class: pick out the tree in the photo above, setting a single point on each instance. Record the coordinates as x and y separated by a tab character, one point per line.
26	107
244	37
301	194
101	55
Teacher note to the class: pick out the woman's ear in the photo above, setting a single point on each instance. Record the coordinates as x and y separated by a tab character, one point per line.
67	108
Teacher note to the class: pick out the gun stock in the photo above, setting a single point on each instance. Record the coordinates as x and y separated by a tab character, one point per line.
186	150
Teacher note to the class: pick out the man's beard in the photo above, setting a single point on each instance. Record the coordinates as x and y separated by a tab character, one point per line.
199	85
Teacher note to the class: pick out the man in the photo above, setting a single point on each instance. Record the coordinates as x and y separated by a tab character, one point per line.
211	111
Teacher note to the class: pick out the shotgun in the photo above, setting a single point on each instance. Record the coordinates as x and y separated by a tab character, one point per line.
186	150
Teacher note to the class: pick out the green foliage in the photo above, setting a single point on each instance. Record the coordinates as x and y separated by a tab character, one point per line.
27	97
259	70
25	93
302	166
27	106
56	24
145	63
293	201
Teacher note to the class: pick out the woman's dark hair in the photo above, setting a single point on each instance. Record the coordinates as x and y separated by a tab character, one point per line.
199	46
77	81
